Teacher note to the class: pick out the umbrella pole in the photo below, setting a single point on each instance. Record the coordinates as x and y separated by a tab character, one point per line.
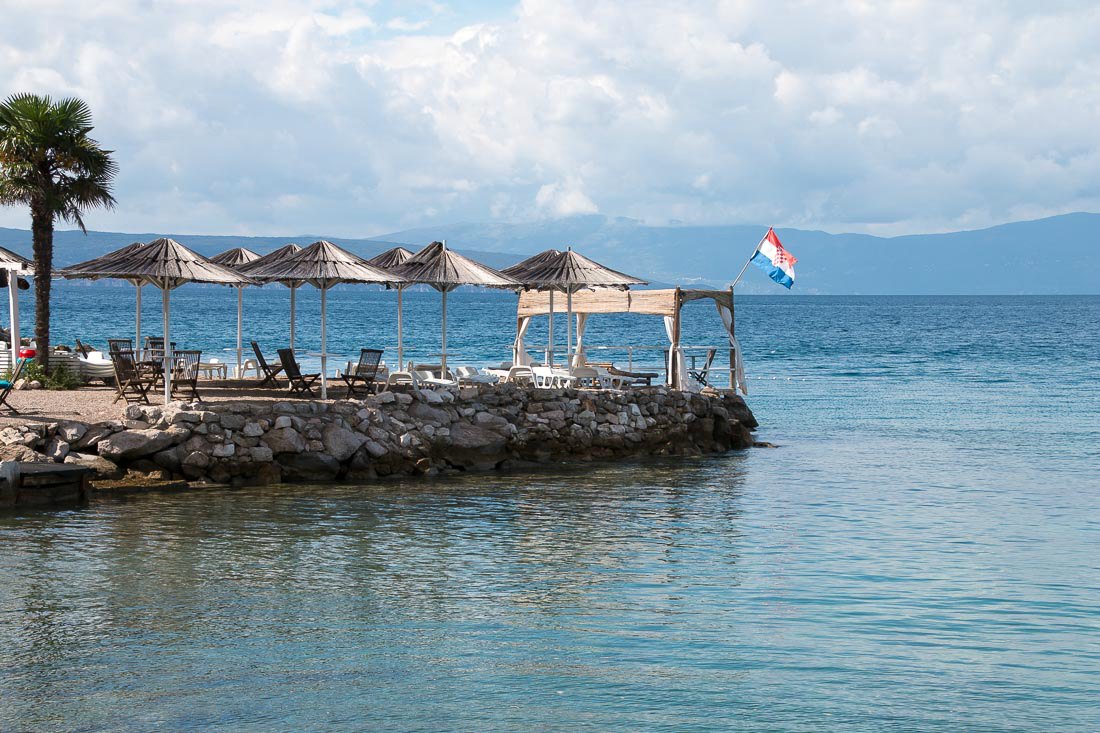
400	346
324	354
569	327
443	373
240	307
165	305
13	315
293	290
137	319
550	334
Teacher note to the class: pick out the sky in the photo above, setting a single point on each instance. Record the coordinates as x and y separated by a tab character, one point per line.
355	119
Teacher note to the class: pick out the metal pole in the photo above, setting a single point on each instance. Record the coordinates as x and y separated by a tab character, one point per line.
443	374
165	306
569	327
240	307
13	315
749	260
324	354
137	319
550	334
400	345
293	290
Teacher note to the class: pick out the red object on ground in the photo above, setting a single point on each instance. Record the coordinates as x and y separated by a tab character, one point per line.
27	353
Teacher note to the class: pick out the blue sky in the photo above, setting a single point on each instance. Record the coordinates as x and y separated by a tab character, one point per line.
357	118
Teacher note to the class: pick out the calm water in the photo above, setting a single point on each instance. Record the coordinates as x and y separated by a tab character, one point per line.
921	553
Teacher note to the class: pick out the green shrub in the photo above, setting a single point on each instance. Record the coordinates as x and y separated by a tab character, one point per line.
61	378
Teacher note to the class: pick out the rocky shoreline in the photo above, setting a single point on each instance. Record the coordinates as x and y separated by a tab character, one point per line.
424	432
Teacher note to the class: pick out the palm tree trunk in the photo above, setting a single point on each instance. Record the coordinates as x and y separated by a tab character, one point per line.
42	229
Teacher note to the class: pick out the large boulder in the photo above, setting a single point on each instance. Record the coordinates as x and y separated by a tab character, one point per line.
475	447
340	442
128	445
95	433
103	468
429	414
20	452
284	440
311	466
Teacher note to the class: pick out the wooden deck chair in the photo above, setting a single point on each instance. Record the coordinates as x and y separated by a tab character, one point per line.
269	372
132	384
299	383
364	373
115	345
185	372
7	385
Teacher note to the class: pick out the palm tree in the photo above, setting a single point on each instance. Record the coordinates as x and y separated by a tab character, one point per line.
48	162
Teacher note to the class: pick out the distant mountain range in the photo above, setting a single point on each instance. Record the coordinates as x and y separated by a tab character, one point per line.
1057	255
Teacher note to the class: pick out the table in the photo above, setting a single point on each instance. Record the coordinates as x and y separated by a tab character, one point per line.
211	368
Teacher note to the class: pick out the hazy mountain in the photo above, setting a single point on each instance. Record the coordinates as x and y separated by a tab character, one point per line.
1058	255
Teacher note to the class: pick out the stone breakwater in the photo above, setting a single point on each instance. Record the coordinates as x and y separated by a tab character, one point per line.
393	433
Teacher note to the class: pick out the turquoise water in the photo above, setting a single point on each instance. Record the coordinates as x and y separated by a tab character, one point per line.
922	552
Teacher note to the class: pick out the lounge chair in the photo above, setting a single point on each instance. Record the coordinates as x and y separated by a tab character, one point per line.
470	375
423	376
401	379
7	385
520	375
132	383
364	373
584	377
299	383
185	372
269	372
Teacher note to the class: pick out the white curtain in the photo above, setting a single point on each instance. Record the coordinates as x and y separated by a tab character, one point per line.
519	352
738	366
677	374
579	357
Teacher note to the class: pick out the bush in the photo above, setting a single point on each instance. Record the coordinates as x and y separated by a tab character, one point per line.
61	378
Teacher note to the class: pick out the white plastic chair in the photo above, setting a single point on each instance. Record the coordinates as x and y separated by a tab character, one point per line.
520	375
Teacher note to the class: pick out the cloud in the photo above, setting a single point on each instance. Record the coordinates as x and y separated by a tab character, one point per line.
332	116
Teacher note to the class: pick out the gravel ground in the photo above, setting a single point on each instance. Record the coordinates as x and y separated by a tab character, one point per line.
95	404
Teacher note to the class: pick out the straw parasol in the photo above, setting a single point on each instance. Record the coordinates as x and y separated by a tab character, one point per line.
323	265
165	264
569	272
251	268
388	260
234	259
91	265
12	265
518	272
445	270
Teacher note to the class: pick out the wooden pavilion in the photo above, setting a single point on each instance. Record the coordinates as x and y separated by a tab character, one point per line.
665	303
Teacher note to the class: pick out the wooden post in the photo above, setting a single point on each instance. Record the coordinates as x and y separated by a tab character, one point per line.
675	357
733	327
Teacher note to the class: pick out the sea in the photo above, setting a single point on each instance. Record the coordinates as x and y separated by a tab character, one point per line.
919	551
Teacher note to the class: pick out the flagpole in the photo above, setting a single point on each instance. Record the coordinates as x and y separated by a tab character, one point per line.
749	260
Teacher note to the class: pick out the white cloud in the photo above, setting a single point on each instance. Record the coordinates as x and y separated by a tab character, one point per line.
326	115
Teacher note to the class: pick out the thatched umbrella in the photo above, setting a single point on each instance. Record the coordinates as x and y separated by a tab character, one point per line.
284	252
323	265
91	265
165	264
12	265
388	260
445	270
569	272
519	271
234	259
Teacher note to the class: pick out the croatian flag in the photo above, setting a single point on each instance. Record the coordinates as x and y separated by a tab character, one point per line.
774	260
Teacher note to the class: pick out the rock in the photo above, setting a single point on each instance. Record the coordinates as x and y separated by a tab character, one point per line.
33	385
94	434
185	417
232	421
284	440
103	468
431	396
252	430
262	454
402	398
19	452
475	447
283	421
57	449
422	411
340	442
375	450
11	436
72	431
386	398
196	459
130	444
224	450
309	466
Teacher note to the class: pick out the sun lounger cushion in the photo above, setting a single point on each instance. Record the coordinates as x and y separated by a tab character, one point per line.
4	384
